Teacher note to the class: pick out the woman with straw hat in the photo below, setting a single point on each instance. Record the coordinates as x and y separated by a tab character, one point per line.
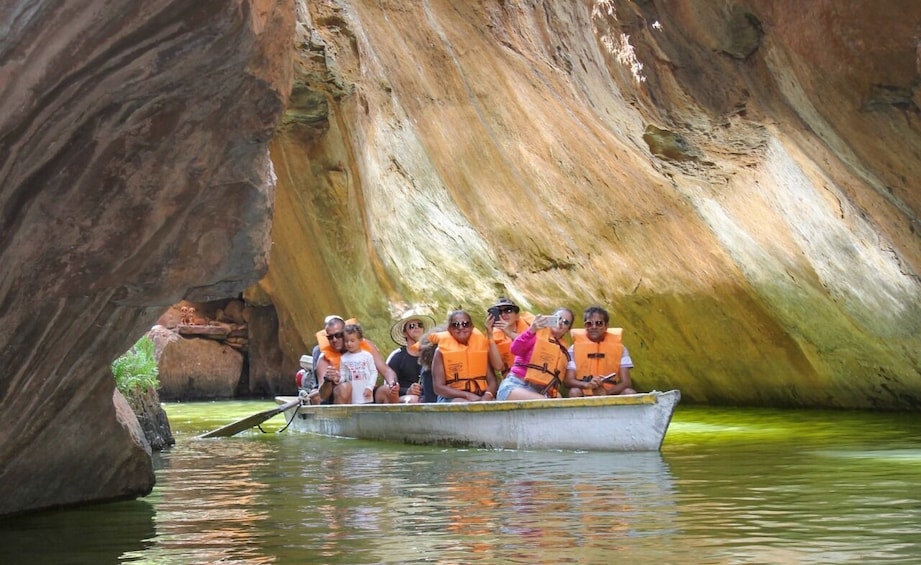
406	332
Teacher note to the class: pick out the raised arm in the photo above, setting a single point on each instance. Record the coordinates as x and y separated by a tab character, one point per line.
380	363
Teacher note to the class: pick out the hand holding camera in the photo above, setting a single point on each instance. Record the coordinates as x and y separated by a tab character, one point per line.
547	321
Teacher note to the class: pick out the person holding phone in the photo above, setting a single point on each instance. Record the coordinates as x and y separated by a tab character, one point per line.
599	364
509	322
541	358
464	364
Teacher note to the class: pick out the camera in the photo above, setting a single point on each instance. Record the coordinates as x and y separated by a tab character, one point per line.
494	312
549	322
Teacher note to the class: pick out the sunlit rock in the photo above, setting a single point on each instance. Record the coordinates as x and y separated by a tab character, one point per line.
735	182
441	154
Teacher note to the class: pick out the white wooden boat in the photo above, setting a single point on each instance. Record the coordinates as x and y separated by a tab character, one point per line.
635	422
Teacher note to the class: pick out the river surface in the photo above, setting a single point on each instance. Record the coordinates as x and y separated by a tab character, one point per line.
730	486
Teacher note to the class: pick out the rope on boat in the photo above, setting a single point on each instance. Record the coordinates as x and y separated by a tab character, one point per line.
293	416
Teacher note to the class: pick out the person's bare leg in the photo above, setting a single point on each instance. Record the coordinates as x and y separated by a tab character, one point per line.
342	394
519	393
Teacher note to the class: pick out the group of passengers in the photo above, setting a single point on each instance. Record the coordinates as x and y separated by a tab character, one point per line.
520	356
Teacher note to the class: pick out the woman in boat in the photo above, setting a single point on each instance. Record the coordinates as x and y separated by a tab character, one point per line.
600	364
464	365
510	321
404	361
541	358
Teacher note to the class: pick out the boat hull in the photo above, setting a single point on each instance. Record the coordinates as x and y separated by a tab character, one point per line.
636	422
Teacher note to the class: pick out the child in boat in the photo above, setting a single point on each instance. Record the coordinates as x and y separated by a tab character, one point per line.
356	368
427	349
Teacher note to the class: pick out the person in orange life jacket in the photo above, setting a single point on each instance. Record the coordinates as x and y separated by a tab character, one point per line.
404	361
464	365
540	360
357	373
510	322
599	363
332	345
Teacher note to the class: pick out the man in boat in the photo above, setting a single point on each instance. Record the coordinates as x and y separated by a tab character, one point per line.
599	363
509	322
331	341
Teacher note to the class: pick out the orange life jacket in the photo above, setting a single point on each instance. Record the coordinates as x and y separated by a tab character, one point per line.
466	366
504	342
597	359
331	354
548	363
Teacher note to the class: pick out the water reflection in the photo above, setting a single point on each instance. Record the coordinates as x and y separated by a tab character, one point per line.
731	486
365	503
768	486
98	534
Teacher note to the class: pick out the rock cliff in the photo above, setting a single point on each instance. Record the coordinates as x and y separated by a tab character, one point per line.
134	172
734	180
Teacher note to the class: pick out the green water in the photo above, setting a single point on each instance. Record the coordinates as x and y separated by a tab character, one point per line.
730	486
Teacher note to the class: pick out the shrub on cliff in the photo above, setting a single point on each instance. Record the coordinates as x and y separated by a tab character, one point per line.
136	371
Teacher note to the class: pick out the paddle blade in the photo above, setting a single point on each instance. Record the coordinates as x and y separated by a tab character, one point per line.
234	428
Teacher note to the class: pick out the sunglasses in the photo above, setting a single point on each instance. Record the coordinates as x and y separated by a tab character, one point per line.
565	322
412	326
464	324
508	310
339	335
595	323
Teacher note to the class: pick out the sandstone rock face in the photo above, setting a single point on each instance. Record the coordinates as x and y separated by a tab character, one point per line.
265	376
134	172
153	419
191	369
198	369
734	180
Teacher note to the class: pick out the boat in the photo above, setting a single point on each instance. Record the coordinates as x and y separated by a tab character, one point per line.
631	422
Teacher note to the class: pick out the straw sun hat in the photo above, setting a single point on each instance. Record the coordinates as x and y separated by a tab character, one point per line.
396	330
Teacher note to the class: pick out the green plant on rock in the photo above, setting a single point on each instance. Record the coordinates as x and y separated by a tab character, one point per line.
136	370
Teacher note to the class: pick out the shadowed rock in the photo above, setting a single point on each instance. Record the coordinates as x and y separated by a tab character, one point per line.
133	172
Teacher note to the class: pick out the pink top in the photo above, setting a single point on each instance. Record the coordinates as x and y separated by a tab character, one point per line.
522	348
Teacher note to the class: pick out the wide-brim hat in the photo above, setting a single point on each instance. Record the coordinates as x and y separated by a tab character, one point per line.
396	330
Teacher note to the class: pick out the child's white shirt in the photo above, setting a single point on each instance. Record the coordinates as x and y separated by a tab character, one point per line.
358	368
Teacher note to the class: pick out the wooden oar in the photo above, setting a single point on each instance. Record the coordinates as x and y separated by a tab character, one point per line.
250	421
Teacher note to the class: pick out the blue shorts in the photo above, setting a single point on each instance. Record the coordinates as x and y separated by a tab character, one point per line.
510	383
